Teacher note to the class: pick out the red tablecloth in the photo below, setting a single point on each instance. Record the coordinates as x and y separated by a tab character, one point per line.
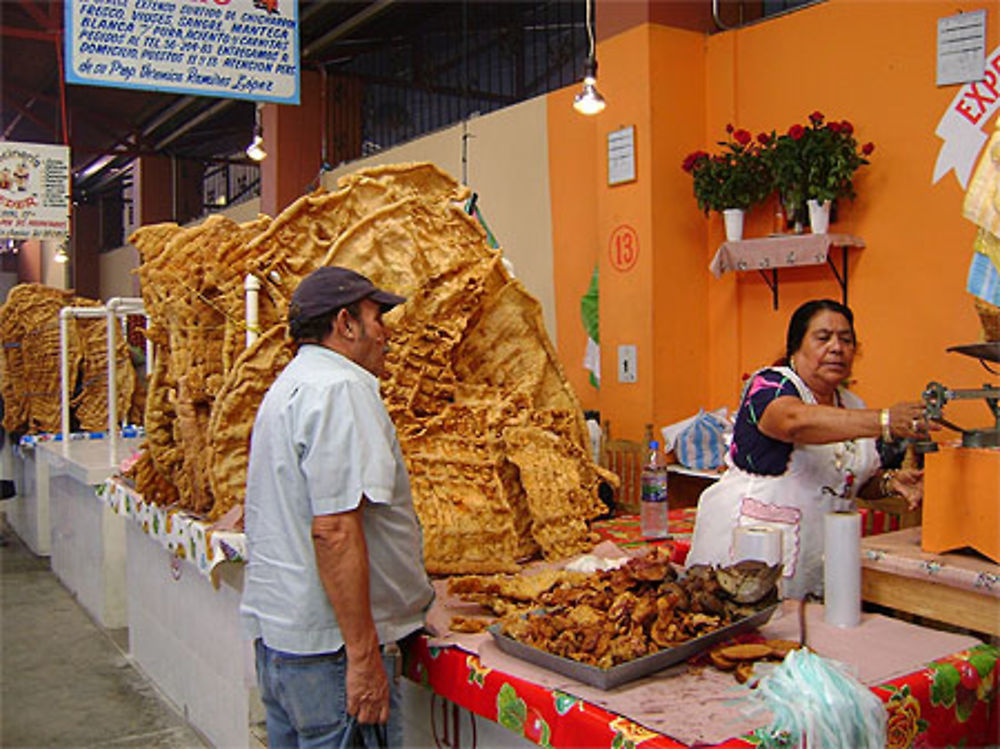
953	701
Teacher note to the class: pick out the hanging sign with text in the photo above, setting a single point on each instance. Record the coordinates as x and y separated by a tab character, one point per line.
241	49
34	191
961	127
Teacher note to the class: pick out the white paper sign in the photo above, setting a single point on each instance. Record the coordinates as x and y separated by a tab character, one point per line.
34	191
961	127
961	48
240	49
621	155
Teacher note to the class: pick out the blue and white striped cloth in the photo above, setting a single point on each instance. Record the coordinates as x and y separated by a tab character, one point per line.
983	280
702	443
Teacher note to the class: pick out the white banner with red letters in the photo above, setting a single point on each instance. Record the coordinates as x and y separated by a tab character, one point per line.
961	127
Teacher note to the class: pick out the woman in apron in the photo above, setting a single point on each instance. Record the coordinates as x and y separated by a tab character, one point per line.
804	446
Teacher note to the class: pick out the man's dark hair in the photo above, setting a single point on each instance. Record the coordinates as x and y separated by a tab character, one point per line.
801	318
316	328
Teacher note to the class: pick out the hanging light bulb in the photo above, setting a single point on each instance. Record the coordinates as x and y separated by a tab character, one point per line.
256	148
589	101
61	255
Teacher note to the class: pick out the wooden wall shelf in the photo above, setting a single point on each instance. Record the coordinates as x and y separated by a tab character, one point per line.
767	254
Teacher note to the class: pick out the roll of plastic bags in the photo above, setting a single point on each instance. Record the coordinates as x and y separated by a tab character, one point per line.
816	702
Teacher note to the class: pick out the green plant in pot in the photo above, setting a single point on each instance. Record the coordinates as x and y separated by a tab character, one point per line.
816	161
736	177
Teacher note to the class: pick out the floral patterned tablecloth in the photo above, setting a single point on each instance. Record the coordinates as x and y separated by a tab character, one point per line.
900	554
952	701
182	534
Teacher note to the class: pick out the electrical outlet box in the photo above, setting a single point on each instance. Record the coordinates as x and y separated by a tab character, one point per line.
626	363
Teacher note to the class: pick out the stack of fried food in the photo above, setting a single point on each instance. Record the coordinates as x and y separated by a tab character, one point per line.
610	617
30	372
739	658
492	433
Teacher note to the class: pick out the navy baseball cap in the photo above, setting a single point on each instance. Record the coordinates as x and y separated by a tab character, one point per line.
332	287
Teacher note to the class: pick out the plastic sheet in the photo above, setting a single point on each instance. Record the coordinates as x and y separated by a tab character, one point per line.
816	702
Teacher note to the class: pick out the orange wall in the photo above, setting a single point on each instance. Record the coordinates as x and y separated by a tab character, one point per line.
647	305
870	62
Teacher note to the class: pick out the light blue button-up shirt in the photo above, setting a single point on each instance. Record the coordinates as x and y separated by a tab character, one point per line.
322	439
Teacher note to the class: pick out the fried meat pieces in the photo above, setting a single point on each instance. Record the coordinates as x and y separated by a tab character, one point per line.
610	617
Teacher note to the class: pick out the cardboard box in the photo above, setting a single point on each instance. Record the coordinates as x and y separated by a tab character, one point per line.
962	500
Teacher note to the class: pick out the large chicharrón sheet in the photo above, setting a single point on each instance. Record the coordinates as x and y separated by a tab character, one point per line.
491	431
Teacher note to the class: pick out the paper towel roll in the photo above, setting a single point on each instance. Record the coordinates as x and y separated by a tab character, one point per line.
757	542
842	569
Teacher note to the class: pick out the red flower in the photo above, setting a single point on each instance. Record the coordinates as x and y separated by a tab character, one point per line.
692	159
867	149
847	127
816	117
729	128
742	136
834	127
763	139
796	131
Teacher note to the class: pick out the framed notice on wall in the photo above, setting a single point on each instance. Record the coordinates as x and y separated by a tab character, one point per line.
621	155
34	191
238	49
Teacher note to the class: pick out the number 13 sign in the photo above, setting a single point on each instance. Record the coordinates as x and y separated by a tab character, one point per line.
623	247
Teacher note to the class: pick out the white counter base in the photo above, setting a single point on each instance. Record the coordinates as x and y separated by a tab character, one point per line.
88	549
28	512
87	538
185	636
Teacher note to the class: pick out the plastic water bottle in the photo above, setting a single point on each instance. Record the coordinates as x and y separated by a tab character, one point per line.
653	503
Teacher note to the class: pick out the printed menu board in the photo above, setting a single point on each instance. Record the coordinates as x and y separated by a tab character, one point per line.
243	49
34	191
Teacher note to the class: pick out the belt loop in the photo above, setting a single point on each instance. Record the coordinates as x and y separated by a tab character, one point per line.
392	649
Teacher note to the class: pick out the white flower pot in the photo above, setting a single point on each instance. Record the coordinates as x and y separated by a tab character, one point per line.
733	219
819	215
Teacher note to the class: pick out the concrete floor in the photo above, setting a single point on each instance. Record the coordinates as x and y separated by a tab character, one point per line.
64	681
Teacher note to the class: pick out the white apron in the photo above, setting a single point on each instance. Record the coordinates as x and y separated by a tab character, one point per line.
819	479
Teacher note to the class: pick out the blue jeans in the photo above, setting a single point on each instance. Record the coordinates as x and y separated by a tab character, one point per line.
305	697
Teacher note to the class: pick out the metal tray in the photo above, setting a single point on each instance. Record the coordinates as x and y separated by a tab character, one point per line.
609	678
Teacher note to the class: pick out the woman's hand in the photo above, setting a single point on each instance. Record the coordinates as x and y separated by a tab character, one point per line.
909	484
907	419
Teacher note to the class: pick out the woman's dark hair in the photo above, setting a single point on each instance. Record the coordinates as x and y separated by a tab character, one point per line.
801	318
316	328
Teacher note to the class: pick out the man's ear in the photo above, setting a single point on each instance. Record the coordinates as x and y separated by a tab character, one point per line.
344	324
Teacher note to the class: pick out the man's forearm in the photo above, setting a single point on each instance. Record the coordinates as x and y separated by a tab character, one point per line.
342	560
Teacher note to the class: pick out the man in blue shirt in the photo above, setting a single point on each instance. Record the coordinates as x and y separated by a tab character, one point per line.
335	574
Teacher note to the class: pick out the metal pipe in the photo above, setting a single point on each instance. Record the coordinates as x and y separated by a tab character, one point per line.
64	373
64	315
116	307
251	285
112	379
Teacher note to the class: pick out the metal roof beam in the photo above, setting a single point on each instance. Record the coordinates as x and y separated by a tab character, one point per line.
355	21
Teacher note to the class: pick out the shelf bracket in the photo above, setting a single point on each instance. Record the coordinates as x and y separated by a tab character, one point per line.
772	284
841	279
